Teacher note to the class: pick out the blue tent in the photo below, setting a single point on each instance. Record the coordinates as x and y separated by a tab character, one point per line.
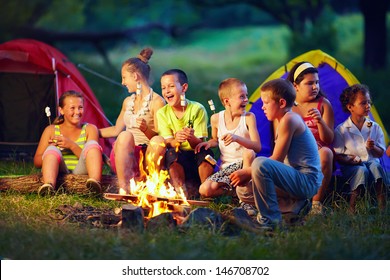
334	77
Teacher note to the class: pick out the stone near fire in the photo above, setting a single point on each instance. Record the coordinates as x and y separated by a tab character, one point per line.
161	222
204	217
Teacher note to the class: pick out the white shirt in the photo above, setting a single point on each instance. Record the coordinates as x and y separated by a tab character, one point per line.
349	140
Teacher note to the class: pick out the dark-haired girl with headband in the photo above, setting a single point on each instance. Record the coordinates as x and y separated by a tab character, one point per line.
136	124
317	112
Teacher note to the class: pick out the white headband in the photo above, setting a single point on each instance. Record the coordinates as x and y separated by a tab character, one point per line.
302	68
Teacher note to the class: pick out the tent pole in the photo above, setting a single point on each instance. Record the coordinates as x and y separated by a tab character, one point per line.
53	63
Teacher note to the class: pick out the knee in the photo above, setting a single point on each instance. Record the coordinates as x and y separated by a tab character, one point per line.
326	156
249	155
258	163
157	144
205	189
125	141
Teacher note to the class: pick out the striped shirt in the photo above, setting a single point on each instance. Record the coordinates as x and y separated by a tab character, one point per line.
71	159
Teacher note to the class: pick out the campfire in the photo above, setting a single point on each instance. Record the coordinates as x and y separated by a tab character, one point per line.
152	192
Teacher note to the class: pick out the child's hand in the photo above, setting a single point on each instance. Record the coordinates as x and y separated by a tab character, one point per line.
315	114
141	124
240	177
229	138
354	160
189	132
370	144
206	146
63	142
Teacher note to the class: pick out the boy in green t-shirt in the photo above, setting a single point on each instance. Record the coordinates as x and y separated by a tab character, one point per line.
183	125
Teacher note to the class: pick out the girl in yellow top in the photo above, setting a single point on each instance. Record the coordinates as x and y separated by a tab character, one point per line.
69	146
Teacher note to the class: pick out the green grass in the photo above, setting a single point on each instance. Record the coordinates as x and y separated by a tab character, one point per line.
28	231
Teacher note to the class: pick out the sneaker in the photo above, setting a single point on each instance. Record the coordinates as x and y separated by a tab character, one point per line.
249	208
265	223
317	208
93	186
46	190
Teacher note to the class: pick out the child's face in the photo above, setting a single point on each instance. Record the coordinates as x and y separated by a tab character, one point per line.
239	99
171	90
128	80
308	88
270	106
362	105
73	109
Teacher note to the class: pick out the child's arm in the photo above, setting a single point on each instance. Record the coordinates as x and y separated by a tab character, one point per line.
289	125
44	142
325	122
375	144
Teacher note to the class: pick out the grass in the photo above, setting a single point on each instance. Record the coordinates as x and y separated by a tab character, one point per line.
27	230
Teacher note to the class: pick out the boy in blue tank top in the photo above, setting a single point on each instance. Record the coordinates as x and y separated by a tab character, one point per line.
293	171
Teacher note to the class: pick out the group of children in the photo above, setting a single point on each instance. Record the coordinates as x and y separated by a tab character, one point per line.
173	130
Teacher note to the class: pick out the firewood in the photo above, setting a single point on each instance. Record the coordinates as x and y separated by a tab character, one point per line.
69	183
133	217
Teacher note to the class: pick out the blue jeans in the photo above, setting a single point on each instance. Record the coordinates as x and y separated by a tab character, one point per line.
268	175
364	174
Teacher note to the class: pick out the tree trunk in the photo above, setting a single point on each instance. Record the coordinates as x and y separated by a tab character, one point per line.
375	47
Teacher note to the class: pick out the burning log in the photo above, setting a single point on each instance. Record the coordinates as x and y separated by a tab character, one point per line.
70	183
133	217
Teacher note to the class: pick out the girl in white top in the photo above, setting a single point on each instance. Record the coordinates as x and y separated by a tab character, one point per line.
234	131
138	116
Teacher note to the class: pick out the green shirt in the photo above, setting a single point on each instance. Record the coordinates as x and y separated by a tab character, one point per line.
169	124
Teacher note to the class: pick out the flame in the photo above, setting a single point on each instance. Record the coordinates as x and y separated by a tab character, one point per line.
152	185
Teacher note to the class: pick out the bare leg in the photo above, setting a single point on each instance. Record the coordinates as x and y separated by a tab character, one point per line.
205	169
326	157
155	154
94	162
124	159
50	169
381	195
176	172
248	157
352	200
211	189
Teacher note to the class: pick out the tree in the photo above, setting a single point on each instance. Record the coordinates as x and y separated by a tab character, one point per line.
375	46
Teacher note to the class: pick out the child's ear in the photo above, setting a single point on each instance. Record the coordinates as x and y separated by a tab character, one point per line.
282	103
184	87
349	107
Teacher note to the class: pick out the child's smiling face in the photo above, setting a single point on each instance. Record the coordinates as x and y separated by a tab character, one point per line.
171	90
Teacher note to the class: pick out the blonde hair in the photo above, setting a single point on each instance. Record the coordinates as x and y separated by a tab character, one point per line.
227	88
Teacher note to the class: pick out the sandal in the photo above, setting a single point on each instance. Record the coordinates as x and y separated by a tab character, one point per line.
93	186
46	190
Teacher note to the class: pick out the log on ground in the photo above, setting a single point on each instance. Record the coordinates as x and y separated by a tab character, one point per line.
69	183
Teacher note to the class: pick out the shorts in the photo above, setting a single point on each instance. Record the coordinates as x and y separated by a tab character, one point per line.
188	159
222	176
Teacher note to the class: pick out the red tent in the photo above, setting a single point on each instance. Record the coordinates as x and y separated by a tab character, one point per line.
34	75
